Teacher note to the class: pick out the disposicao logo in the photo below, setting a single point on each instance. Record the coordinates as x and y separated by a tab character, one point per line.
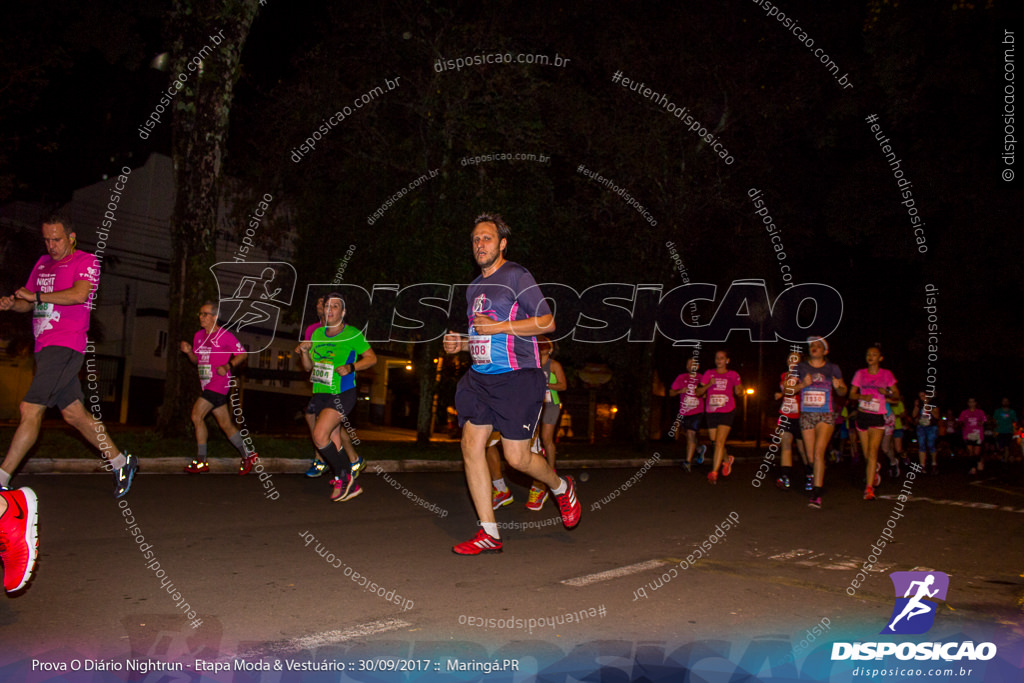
914	612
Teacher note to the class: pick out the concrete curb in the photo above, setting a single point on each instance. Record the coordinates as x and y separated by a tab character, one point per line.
39	465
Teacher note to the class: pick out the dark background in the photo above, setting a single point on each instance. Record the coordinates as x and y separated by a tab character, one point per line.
78	82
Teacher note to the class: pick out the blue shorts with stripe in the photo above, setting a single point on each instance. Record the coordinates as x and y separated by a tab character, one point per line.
510	402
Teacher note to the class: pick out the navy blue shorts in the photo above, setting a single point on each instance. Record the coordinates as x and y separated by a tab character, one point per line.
509	402
691	423
344	402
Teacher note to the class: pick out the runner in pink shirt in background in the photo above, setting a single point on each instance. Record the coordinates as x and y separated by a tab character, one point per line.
215	351
871	387
691	409
720	386
972	426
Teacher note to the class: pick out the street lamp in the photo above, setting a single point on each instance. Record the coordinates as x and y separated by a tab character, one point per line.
746	394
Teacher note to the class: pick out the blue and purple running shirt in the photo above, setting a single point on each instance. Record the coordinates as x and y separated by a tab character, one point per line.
817	397
510	293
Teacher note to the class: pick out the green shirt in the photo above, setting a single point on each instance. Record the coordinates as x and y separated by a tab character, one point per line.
330	353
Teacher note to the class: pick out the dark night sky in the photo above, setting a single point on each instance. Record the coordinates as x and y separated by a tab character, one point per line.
933	75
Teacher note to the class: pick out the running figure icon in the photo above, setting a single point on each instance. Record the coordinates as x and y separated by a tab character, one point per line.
916	597
915	607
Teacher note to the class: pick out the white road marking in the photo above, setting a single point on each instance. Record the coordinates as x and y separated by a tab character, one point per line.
610	574
809	558
958	503
325	638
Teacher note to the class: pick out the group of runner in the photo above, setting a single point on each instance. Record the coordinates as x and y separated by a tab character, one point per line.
815	400
511	380
972	423
712	395
808	391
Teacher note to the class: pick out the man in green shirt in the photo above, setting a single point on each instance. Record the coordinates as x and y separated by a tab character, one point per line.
332	356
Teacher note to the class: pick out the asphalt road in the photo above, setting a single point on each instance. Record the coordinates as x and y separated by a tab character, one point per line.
277	578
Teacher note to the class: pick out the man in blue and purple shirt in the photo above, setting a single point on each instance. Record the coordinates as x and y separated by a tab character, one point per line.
504	389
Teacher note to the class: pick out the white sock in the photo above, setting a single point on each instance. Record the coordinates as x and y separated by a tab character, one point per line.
5	479
491	528
561	488
118	462
499	484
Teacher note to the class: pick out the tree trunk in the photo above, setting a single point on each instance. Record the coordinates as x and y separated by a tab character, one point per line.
645	377
212	33
426	370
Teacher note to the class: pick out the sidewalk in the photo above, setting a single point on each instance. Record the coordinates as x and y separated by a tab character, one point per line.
668	454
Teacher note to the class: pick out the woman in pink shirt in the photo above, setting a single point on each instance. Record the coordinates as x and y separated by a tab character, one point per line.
972	426
871	387
719	386
691	409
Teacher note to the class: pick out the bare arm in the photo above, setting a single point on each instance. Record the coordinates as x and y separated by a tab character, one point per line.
527	327
366	360
303	351
77	293
455	342
559	384
12	303
233	362
186	348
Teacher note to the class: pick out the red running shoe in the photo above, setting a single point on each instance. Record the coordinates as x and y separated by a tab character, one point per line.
500	498
727	466
483	542
537	498
869	493
19	543
197	467
247	462
712	477
569	505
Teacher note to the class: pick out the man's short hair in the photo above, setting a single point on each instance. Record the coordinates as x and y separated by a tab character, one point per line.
212	304
62	218
335	295
504	232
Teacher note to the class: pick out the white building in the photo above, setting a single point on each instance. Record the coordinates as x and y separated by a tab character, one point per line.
125	221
